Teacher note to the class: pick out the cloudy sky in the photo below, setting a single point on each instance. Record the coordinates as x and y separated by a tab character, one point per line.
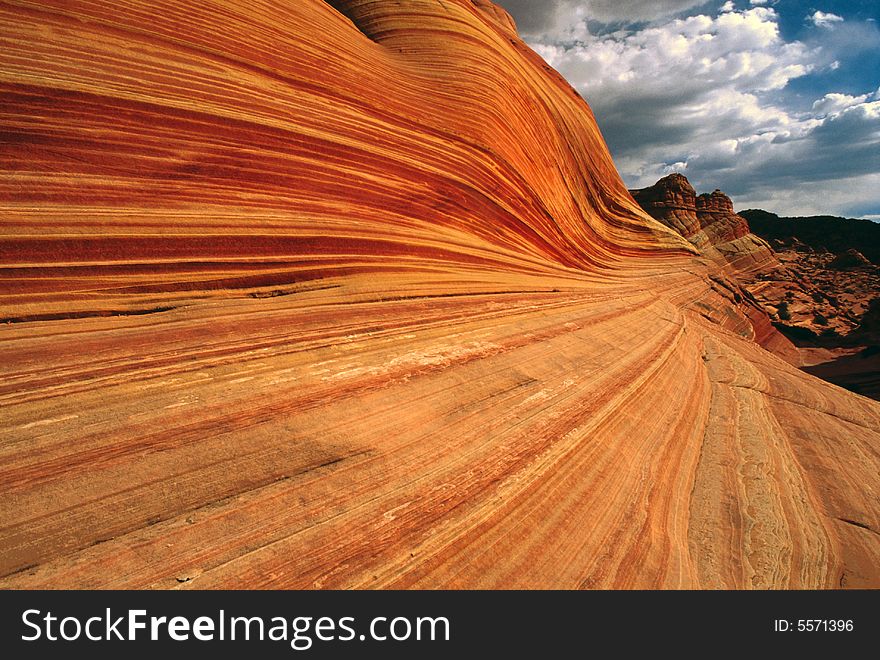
776	102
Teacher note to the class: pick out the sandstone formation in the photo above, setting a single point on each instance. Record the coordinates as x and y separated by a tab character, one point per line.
350	295
708	221
812	297
824	296
815	298
822	233
849	260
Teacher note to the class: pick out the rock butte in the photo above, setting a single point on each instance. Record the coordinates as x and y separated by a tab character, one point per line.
708	221
820	300
350	294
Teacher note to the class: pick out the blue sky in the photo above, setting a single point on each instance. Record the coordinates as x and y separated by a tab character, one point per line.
776	102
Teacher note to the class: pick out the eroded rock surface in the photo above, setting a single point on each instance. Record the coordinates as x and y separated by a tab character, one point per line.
350	294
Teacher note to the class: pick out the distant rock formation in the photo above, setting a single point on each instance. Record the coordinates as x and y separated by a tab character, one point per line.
708	221
815	298
849	260
790	243
827	278
820	297
823	233
672	200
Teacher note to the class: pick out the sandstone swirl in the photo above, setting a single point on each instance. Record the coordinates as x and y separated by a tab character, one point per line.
349	294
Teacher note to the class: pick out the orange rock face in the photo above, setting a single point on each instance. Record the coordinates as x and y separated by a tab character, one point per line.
739	257
350	294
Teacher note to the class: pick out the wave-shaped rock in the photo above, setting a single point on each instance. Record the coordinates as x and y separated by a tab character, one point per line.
350	294
709	222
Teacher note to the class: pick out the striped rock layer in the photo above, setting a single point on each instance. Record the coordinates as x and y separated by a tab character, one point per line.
722	237
305	294
709	222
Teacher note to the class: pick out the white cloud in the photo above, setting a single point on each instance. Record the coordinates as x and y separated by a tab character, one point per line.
834	103
842	197
845	40
743	48
823	20
700	95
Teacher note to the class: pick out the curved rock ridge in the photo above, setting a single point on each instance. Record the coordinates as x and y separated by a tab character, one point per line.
305	294
225	147
709	222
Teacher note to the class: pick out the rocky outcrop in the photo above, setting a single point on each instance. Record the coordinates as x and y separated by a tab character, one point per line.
814	301
820	233
849	260
708	221
818	297
803	303
813	297
350	295
673	201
